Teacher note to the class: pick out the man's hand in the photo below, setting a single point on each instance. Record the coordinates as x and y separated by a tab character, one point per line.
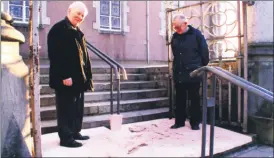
67	82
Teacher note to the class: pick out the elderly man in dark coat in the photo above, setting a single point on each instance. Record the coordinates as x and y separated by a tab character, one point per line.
70	73
190	52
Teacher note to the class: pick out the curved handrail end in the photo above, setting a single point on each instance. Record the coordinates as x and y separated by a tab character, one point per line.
198	72
124	74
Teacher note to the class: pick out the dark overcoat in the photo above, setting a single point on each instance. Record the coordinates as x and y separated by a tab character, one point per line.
190	52
68	58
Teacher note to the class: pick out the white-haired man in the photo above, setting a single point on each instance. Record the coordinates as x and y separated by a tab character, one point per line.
190	52
70	73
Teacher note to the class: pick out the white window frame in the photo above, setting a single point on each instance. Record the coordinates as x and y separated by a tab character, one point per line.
24	19
43	18
2	6
109	19
124	10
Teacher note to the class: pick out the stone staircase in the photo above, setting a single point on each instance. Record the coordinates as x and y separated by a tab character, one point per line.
144	97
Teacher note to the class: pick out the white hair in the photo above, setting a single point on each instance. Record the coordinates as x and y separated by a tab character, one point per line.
182	17
80	5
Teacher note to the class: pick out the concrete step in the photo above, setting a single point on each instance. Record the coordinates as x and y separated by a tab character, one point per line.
98	108
105	86
44	79
49	99
103	120
44	69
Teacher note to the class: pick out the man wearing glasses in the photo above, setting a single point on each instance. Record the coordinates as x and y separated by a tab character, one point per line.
190	52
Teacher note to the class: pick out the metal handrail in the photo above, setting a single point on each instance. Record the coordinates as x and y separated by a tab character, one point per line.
108	62
113	61
243	80
117	74
266	94
210	102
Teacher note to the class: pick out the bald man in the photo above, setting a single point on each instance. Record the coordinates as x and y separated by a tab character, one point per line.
70	73
190	52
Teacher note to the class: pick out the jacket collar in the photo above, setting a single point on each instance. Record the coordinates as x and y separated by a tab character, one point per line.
70	26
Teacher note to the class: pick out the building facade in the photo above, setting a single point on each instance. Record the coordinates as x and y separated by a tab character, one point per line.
136	31
125	30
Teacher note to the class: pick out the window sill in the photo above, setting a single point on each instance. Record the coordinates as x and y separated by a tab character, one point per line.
111	32
24	25
16	24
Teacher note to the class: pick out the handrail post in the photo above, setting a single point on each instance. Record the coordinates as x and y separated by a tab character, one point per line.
213	95
245	99
204	114
118	93
111	90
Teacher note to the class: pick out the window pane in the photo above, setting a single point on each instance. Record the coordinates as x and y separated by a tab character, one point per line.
27	12
104	21
16	2
16	11
115	8
115	22
27	3
104	8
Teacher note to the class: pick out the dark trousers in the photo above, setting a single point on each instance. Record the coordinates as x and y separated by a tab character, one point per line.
70	110
181	99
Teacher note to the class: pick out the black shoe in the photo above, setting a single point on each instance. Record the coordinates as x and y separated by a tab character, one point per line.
71	144
195	127
78	136
175	126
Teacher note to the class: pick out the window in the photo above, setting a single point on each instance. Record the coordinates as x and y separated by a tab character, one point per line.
110	15
19	10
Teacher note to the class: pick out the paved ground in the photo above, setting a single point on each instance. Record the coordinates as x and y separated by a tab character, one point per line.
143	139
254	151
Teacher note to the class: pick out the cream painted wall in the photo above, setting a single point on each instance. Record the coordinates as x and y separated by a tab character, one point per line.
260	22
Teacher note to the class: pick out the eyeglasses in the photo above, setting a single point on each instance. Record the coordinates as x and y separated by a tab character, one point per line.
177	27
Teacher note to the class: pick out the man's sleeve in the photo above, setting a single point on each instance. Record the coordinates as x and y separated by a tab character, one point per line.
57	55
203	47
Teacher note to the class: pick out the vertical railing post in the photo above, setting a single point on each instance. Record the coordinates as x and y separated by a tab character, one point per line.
118	92
220	102
170	66
239	63
229	98
204	113
245	64
213	95
111	90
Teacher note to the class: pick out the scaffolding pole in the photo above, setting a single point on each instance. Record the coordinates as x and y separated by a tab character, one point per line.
34	77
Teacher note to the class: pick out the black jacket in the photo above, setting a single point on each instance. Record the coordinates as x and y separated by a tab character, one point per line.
190	52
68	58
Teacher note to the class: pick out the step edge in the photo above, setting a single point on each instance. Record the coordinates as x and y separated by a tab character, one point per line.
96	118
107	103
114	92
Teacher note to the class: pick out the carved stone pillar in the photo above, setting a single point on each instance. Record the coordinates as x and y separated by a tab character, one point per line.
16	139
